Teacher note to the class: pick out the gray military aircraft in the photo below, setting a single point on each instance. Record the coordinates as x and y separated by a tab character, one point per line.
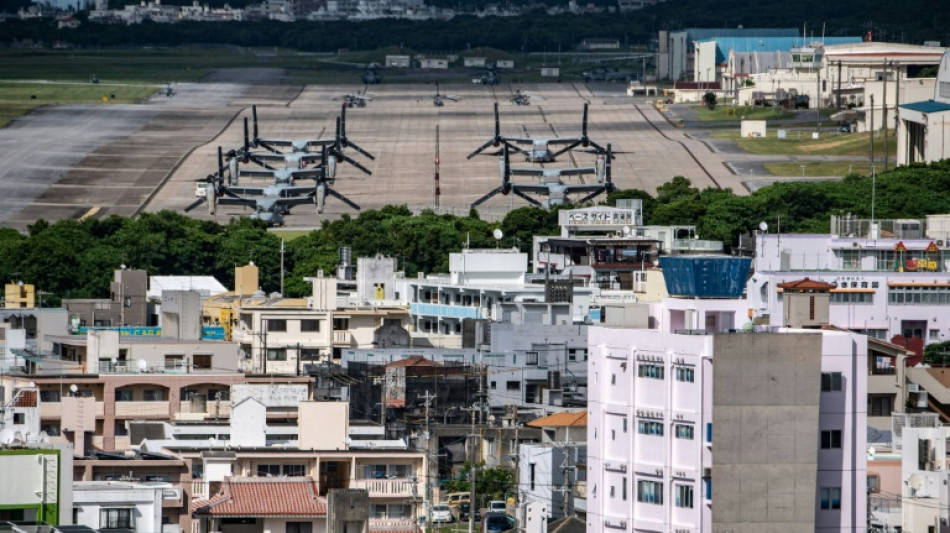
540	150
550	184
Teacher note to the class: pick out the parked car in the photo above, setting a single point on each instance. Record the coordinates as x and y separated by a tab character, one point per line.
497	506
442	514
495	521
844	127
465	509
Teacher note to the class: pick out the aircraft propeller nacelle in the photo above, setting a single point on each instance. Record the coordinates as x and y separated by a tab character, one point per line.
211	195
601	168
320	197
233	171
331	167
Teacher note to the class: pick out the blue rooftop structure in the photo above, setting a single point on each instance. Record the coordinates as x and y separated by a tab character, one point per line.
705	276
927	106
766	44
705	34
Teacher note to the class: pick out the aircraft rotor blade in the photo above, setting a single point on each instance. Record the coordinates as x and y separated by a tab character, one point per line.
360	150
343	199
194	204
517	192
592	195
349	160
481	148
254	113
496	190
566	149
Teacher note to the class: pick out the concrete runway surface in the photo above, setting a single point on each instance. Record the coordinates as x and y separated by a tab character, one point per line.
96	160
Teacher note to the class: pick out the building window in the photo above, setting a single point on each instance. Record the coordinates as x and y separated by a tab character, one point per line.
277	354
121	430
49	396
531	466
831	439
123	395
830	498
493	385
649	428
830	381
683	431
624	424
531	358
309	325
684	496
173	361
51	429
650	371
274	324
116	519
852	297
687	375
299	527
513	385
201	360
919	295
623	489
650	492
709	432
880	405
874	483
277	470
154	395
19	418
341	324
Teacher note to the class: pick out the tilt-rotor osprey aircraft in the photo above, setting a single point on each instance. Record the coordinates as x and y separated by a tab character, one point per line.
540	150
439	99
327	158
550	184
334	144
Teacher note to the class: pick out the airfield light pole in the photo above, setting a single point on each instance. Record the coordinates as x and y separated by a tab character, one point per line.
438	190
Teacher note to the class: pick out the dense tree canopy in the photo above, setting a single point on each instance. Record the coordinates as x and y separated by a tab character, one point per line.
76	258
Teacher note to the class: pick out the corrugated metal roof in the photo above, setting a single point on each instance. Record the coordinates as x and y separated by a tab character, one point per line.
927	106
705	276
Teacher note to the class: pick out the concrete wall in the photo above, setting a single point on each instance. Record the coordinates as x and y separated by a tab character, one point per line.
90	497
279	525
323	425
375	278
248	422
181	315
766	393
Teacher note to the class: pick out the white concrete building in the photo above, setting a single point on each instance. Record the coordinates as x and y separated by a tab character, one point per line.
923	135
477	283
695	428
119	505
891	276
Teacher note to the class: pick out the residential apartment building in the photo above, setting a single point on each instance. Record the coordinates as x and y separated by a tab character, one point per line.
695	426
38	483
554	472
891	277
478	284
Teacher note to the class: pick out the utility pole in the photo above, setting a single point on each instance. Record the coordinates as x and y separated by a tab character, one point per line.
427	398
872	129
818	103
472	462
282	270
264	337
884	122
298	358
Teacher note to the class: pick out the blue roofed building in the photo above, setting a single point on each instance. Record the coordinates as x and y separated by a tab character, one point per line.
675	57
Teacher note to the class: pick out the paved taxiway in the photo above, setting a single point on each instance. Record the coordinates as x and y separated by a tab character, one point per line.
96	160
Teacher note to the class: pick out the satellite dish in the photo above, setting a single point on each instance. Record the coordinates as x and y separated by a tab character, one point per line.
763	226
625	230
914	481
491	418
73	388
871	452
142	365
498	234
32	385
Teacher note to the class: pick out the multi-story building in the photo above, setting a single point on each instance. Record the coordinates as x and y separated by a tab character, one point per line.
694	425
891	277
126	305
554	472
922	131
38	484
134	507
479	282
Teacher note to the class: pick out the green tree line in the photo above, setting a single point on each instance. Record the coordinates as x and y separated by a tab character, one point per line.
75	259
911	21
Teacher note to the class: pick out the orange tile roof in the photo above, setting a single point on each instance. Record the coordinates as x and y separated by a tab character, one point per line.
564	418
806	285
415	360
264	496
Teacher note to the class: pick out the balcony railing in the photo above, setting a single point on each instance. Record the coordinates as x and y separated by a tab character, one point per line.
397	488
199	489
135	409
696	245
342	337
392	524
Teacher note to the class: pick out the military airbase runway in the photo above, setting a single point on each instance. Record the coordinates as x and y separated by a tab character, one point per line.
96	160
